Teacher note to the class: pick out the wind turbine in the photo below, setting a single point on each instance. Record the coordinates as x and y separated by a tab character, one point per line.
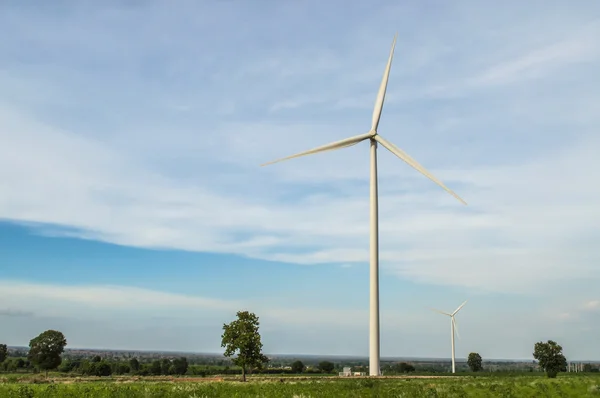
374	138
453	328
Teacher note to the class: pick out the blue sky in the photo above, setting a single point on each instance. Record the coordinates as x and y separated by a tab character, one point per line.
135	214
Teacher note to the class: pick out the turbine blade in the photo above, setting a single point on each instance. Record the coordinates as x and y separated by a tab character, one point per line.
414	164
455	326
328	147
441	312
459	307
382	88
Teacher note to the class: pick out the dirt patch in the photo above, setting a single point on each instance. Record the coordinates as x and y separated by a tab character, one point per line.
196	379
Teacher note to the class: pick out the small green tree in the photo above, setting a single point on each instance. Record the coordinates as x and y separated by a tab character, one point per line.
3	352
45	350
474	361
121	368
155	368
241	336
403	367
550	357
134	364
298	367
165	365
180	366
326	366
101	368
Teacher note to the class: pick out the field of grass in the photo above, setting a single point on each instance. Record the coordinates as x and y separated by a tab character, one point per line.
463	386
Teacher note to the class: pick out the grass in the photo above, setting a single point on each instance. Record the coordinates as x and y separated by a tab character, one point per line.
464	386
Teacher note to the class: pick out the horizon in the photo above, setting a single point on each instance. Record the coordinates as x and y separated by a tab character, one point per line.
134	212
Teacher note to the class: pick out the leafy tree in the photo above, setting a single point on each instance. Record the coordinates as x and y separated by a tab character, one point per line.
96	358
165	364
45	350
102	368
241	336
550	357
121	368
298	367
326	366
155	368
134	364
3	352
474	361
180	366
403	367
10	365
68	366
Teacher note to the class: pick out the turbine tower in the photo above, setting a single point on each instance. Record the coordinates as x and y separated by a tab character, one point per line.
453	328
374	138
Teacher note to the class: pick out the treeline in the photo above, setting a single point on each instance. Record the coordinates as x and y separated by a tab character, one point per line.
97	366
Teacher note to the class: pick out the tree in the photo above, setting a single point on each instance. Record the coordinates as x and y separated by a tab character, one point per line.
550	357
403	367
474	361
155	368
326	366
180	366
68	366
241	336
298	367
134	364
165	364
45	350
100	369
121	368
3	352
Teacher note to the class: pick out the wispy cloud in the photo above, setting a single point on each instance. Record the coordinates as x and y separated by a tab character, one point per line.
100	316
15	313
95	137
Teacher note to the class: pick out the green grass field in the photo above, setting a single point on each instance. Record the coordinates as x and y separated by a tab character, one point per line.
464	386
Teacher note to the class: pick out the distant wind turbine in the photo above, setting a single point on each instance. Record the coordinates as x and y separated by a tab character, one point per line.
374	138
453	328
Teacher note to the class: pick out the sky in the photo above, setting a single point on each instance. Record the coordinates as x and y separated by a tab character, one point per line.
134	213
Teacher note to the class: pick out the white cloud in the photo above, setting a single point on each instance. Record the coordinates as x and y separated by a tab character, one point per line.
122	311
124	317
97	302
194	183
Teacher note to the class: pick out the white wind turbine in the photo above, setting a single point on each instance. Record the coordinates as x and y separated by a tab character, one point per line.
374	138
453	328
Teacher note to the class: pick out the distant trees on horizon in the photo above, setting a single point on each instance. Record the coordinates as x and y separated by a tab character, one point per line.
242	342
